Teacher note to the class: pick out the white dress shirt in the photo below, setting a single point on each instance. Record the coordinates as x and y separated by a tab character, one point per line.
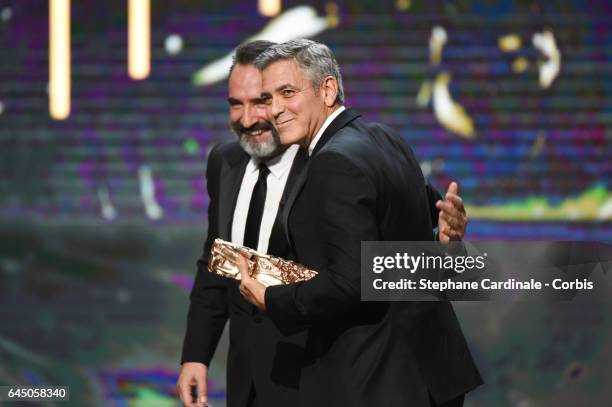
326	123
279	172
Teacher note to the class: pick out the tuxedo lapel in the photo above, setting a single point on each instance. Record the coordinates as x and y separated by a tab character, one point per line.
232	171
339	122
278	237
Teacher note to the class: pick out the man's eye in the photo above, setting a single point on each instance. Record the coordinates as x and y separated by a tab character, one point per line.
287	92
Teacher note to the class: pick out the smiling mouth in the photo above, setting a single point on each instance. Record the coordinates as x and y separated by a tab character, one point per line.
254	133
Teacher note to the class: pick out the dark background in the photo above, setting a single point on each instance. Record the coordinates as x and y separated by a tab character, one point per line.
98	302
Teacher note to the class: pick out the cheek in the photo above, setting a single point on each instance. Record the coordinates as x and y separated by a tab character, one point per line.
263	113
297	108
262	110
235	115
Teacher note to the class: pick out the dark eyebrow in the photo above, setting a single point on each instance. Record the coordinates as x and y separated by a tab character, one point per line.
265	95
233	101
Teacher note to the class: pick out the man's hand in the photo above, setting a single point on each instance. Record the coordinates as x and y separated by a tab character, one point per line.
252	290
452	219
193	374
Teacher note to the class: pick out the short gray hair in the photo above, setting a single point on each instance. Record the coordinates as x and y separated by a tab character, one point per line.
316	60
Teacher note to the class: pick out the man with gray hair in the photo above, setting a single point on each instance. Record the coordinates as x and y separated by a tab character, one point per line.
362	183
247	179
263	366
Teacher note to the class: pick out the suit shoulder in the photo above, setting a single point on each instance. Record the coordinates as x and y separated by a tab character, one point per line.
376	129
383	137
225	148
347	150
370	146
382	128
362	139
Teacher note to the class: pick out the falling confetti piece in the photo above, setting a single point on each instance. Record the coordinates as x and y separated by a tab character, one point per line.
520	65
538	145
299	22
449	113
106	206
403	5
147	193
424	95
509	43
436	43
332	15
549	69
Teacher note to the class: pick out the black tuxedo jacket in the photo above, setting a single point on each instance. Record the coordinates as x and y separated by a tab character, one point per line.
364	183
258	353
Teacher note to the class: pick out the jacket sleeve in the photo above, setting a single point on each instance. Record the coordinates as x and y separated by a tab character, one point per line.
208	309
344	217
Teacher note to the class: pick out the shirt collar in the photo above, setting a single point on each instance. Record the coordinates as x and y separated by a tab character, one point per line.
327	122
278	165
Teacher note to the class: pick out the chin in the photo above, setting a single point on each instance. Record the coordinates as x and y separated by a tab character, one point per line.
268	147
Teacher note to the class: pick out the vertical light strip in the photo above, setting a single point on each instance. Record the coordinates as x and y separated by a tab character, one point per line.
269	8
59	59
139	38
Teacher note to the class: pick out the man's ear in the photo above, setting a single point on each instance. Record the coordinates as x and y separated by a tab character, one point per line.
329	88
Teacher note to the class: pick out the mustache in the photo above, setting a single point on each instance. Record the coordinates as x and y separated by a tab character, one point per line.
240	129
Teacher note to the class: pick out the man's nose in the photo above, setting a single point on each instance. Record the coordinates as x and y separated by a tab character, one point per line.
249	117
276	107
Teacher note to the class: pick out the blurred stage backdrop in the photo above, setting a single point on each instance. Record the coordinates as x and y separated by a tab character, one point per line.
103	213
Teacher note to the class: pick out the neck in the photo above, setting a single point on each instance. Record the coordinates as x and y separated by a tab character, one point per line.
327	112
